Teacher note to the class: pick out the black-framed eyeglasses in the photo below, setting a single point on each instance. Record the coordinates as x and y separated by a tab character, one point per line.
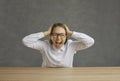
55	35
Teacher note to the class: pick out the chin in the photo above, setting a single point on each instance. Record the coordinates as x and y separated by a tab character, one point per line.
58	47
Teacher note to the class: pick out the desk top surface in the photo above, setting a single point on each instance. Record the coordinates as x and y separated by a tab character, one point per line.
60	74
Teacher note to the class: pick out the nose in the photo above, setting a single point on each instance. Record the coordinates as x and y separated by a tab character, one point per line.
58	37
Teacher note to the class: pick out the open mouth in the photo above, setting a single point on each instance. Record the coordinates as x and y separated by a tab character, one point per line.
58	42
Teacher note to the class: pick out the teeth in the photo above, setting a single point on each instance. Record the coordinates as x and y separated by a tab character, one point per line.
58	42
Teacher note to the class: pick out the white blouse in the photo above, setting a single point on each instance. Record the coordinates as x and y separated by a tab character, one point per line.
53	57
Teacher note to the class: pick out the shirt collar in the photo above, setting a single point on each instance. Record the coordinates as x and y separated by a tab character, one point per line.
61	49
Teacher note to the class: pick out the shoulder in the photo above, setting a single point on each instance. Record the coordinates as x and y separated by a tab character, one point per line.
44	43
47	41
69	41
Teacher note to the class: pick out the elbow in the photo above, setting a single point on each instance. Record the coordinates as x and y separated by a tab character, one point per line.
91	42
24	41
27	44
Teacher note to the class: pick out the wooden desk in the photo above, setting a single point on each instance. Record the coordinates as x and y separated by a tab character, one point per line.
60	74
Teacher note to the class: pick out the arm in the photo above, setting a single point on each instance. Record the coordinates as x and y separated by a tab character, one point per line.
33	41
83	41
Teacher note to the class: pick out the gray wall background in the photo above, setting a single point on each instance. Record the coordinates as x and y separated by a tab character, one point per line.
97	18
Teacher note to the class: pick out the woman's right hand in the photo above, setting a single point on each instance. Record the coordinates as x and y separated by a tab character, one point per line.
48	31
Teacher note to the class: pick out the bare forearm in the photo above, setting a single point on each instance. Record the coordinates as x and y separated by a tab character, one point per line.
46	33
69	33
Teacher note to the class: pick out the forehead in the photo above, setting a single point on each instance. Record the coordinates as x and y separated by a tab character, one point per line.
58	30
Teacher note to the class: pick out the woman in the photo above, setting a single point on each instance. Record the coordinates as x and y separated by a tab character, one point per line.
58	51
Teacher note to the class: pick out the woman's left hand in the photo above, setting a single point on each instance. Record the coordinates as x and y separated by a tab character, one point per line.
69	32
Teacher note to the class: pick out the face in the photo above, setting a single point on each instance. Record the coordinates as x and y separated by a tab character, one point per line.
58	37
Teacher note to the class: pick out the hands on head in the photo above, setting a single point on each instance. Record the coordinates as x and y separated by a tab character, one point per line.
69	32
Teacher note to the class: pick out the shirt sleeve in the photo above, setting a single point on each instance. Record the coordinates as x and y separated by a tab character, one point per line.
33	41
82	41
